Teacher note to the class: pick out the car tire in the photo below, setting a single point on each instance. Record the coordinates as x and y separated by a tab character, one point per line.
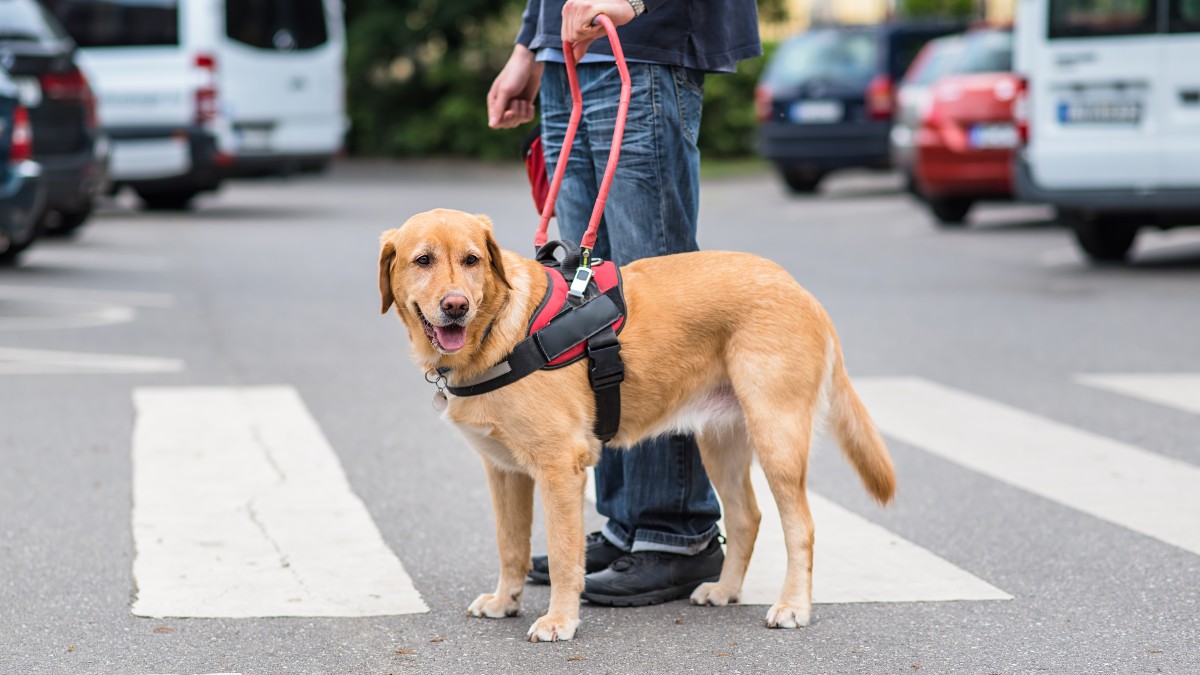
10	256
950	212
66	223
168	200
1103	240
802	182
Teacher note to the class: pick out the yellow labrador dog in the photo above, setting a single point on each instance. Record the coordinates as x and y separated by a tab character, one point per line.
725	345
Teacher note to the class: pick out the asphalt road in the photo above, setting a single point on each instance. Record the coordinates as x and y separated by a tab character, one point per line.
275	284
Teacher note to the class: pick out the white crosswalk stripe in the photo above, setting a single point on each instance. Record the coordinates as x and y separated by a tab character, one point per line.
1174	390
45	362
281	534
241	509
1122	484
854	560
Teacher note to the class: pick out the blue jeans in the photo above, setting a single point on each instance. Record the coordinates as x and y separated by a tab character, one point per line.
655	495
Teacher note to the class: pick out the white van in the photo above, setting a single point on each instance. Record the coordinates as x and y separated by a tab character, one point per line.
192	92
1112	107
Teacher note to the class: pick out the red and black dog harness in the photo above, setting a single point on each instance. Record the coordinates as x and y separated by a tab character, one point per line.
565	328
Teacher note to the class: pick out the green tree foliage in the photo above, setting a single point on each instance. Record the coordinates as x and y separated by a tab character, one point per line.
957	9
418	73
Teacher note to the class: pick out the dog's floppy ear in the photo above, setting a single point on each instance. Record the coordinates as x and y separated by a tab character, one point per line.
494	256
387	254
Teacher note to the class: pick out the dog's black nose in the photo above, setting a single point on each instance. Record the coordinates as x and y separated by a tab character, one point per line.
455	305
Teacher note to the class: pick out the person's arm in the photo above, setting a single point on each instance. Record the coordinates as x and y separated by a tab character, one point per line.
510	100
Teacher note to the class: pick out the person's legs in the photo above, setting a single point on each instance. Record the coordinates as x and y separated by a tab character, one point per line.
656	495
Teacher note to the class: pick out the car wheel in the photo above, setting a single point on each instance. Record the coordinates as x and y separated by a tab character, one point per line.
66	223
1103	240
911	186
950	211
802	182
17	243
168	200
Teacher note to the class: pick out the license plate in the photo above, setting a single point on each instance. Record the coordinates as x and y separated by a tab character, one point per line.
993	136
817	112
254	139
1100	112
29	90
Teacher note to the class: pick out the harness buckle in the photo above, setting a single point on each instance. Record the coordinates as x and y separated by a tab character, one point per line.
606	367
583	276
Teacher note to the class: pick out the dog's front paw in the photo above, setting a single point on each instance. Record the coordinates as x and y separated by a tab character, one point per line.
552	628
494	607
712	593
782	615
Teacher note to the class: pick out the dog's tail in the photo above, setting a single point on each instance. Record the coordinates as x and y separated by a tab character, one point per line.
856	434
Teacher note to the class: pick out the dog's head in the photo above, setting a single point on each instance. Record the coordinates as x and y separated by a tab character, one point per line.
443	271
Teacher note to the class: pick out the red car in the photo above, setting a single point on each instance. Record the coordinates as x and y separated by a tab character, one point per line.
965	141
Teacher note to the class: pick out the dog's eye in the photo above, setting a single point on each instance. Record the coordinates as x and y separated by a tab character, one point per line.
424	261
470	260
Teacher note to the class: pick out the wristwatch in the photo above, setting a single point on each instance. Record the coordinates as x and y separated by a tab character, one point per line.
639	7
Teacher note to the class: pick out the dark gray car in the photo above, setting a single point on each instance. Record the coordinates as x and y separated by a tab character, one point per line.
826	99
22	189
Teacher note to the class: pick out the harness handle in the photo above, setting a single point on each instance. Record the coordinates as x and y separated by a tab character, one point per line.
589	237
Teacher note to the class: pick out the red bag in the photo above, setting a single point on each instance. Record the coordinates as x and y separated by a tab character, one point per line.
535	166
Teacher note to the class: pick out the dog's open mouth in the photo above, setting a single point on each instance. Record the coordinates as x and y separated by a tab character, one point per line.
449	338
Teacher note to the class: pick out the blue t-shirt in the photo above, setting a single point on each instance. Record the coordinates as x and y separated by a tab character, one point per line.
710	35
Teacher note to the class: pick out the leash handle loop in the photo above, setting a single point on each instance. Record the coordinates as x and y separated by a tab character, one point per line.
589	237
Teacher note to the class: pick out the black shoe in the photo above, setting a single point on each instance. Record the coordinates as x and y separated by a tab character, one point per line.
600	554
651	577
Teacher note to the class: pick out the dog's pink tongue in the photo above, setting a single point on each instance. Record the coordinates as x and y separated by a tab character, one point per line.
451	338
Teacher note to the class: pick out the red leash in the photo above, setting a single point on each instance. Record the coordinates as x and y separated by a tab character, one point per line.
589	237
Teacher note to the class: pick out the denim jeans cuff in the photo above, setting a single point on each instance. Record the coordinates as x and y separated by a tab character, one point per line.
617	536
666	542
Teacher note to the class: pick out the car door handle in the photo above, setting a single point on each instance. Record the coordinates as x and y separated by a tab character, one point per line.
1189	96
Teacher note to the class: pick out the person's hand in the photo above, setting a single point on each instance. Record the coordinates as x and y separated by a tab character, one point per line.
577	17
510	100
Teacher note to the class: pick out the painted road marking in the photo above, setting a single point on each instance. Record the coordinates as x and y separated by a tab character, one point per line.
1120	483
42	362
75	258
854	560
52	308
60	294
1174	390
241	509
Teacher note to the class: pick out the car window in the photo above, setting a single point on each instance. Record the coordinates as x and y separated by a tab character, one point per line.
1185	16
827	56
119	23
934	61
25	20
986	52
1100	18
904	49
277	24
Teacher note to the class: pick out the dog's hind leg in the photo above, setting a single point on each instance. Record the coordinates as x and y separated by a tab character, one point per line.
727	454
512	501
783	452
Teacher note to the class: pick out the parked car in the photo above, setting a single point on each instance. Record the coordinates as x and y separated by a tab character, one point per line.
193	93
67	144
912	100
825	101
964	144
1111	115
22	189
